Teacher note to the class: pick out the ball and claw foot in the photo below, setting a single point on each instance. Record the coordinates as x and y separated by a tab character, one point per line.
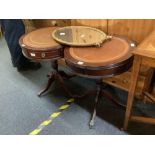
39	94
91	124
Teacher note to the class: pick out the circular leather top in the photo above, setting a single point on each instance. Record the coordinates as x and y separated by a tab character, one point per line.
40	39
111	52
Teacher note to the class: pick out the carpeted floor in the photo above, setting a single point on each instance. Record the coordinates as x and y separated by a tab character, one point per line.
21	110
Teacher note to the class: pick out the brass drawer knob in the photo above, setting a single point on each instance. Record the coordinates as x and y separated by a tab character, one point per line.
43	55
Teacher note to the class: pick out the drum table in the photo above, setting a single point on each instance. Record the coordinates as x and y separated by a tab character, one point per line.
38	45
112	58
107	56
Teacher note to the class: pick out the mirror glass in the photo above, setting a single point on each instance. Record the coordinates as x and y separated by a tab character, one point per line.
79	36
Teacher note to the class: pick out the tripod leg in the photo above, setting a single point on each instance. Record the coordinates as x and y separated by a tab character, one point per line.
92	121
60	79
50	81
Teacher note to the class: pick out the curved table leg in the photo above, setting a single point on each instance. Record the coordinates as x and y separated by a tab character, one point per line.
92	121
60	79
54	75
101	92
50	81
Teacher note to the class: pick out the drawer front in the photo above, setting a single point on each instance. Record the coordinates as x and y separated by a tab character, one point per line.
43	55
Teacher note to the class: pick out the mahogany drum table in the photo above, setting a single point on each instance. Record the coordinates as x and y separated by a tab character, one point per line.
39	45
112	58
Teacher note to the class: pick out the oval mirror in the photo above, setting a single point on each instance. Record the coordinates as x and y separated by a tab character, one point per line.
79	36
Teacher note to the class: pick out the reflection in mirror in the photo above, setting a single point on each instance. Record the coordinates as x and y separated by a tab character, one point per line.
79	36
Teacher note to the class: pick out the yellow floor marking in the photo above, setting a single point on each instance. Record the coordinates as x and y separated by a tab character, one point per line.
52	116
64	107
56	114
35	132
46	122
70	100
